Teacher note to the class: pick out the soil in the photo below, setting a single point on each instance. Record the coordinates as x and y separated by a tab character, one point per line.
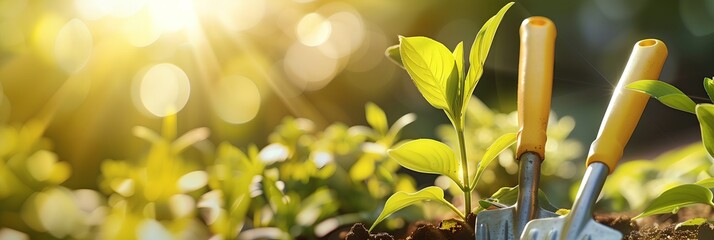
448	229
655	227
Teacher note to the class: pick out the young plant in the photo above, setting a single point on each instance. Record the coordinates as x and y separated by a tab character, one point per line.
671	200
442	80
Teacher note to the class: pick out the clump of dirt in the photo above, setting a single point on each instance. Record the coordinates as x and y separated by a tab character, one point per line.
448	229
359	232
655	227
705	231
623	224
662	226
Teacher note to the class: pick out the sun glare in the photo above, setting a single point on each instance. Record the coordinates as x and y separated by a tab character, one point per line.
313	29
73	46
164	89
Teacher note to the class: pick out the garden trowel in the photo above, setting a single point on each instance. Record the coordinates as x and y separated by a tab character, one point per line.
620	119
535	80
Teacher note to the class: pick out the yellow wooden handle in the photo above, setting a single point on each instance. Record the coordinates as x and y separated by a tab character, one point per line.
626	106
535	82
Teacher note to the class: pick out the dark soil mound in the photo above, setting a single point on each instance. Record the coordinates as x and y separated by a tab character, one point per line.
652	228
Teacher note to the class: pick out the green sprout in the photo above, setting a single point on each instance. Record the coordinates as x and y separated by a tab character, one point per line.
441	78
671	200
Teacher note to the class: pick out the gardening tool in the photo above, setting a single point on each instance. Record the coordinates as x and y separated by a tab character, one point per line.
620	119
535	80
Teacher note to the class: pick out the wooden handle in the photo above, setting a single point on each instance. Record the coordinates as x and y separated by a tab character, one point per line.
535	82
626	106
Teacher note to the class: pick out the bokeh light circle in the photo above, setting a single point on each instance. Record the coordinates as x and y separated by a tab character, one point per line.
238	15
164	89
236	99
93	9
73	46
308	67
137	32
313	29
171	15
348	30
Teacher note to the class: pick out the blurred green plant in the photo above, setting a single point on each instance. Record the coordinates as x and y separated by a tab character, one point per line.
439	76
485	126
153	197
638	183
677	196
32	199
305	182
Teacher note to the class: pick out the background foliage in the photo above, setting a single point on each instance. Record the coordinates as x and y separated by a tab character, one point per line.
78	76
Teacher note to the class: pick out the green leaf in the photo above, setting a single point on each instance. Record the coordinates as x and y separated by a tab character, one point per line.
672	200
427	156
401	200
393	54
484	38
455	87
363	168
430	64
562	212
705	114
691	222
479	52
707	182
376	118
402	122
496	148
665	93
459	57
709	87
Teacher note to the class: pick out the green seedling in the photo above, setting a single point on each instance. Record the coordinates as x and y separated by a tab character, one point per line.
671	200
441	78
694	222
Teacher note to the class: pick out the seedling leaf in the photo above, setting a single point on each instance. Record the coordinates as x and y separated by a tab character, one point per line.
401	200
496	148
363	168
376	118
430	64
427	156
455	86
459	57
479	52
707	182
393	54
705	114
709	87
562	211
484	38
672	200
401	123
691	222
665	93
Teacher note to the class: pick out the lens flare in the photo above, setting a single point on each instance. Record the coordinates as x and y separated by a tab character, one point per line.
239	15
308	67
348	31
137	32
236	99
171	15
164	89
313	29
73	46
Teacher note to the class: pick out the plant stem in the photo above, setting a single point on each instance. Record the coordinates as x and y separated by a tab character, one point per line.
465	169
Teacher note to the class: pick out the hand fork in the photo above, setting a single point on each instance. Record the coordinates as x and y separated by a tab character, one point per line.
620	120
535	80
